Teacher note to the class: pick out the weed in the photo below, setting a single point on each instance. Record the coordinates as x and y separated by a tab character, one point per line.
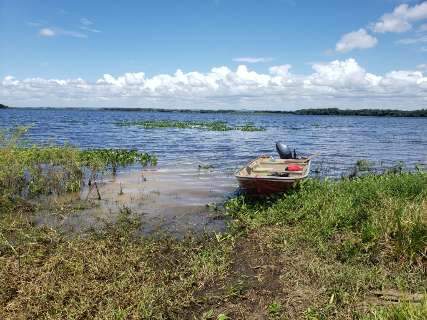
274	309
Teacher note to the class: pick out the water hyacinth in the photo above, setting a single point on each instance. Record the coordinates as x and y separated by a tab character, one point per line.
201	125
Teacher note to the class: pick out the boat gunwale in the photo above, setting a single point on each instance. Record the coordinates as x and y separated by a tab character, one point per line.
272	178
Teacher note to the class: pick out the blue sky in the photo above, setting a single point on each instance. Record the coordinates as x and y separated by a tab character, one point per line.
84	40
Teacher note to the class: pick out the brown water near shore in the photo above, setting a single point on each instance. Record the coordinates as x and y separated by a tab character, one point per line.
175	200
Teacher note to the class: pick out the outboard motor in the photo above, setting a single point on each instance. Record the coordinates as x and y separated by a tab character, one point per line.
284	151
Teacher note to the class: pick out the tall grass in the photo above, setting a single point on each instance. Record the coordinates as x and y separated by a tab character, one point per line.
370	218
36	170
26	172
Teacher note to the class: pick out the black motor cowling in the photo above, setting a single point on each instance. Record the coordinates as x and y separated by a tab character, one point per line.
284	151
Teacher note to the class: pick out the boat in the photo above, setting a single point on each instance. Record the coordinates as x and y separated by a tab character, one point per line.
265	175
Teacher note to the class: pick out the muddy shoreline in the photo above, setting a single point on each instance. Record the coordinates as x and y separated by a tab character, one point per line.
173	200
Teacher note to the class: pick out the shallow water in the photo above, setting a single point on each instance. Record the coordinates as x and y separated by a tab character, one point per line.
175	195
173	200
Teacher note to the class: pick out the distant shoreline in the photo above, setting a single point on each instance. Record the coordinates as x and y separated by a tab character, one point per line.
312	111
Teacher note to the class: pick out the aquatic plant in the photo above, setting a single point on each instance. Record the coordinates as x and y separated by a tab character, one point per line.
29	171
114	158
36	170
249	127
177	124
364	165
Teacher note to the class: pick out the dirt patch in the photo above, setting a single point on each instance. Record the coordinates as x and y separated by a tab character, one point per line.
266	280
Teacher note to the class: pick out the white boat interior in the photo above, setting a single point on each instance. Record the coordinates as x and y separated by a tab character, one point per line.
269	167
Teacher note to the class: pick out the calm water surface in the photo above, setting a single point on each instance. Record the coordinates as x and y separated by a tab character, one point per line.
340	140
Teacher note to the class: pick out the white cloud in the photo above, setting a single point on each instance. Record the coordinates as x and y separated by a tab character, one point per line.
282	70
52	32
334	84
401	19
47	32
414	40
355	40
74	34
86	21
422	66
252	59
86	25
89	29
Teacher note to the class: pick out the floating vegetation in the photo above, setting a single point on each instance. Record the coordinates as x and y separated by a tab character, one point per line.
364	165
201	125
114	158
205	166
249	127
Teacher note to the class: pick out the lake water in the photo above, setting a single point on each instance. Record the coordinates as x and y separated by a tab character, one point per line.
340	140
177	196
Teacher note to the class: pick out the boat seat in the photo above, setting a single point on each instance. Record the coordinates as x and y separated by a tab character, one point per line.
272	170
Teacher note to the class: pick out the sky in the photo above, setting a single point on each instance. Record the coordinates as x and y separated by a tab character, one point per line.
214	54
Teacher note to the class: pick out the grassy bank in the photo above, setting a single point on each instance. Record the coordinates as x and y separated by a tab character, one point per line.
347	249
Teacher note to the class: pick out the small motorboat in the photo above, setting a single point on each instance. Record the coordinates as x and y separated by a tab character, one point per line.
265	175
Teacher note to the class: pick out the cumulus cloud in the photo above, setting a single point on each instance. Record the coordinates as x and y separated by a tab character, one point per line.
401	19
356	40
282	70
337	83
252	59
398	21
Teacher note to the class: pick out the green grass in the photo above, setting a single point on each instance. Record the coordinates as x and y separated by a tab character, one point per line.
176	124
105	275
400	311
30	171
375	217
317	253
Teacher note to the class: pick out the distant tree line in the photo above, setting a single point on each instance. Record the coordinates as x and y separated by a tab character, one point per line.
363	112
310	111
319	111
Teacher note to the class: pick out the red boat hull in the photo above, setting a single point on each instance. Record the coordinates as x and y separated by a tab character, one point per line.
257	186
